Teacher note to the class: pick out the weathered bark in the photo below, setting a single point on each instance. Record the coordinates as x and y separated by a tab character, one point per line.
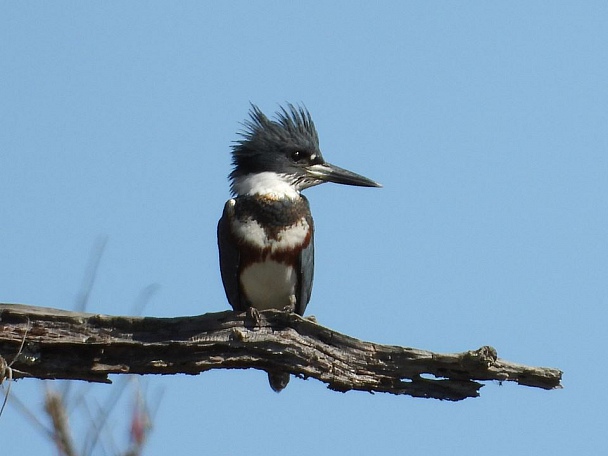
60	344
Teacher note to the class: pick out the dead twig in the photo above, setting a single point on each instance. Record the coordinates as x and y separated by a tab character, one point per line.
6	370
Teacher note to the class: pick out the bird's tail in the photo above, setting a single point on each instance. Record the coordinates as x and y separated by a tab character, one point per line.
278	380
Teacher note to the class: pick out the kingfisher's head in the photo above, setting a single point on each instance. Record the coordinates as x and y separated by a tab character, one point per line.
282	156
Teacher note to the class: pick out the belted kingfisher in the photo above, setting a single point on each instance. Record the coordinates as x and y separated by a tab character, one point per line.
265	235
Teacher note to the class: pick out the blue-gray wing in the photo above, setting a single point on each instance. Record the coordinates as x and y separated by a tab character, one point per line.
306	273
230	258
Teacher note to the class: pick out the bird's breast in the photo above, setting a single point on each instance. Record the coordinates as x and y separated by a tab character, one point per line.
270	234
252	235
269	264
271	226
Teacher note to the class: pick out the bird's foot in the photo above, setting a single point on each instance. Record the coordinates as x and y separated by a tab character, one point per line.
288	309
291	307
312	318
254	315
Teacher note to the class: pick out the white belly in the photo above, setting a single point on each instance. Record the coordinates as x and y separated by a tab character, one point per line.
269	285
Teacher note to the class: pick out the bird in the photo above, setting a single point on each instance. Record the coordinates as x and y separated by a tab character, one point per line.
266	232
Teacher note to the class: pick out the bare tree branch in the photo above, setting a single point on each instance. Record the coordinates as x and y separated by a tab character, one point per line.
84	346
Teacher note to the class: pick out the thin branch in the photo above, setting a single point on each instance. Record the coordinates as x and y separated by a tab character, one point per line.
54	407
91	273
84	346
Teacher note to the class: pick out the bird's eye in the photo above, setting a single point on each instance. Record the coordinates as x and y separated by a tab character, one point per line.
297	155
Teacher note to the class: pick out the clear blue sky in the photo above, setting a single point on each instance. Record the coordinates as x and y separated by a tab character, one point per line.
486	122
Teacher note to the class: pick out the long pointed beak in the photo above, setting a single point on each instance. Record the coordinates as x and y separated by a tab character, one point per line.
331	173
